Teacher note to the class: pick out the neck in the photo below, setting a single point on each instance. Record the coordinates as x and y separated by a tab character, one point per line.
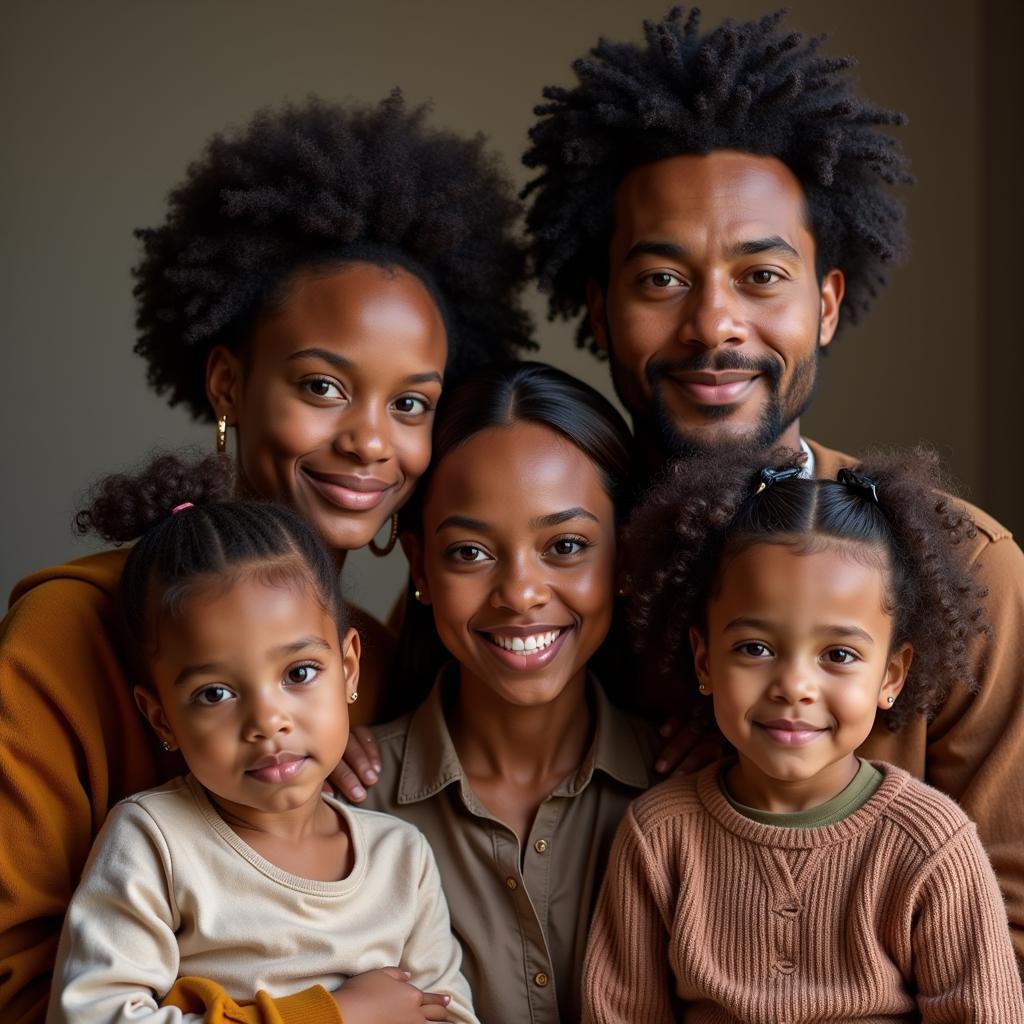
749	785
296	824
497	739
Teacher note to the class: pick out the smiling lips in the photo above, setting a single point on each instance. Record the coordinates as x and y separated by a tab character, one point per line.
277	767
789	732
525	648
707	387
349	491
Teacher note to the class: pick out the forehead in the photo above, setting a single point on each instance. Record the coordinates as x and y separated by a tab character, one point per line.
779	582
723	197
516	472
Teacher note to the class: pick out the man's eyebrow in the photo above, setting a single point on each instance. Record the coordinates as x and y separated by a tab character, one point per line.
557	518
670	250
757	246
463	522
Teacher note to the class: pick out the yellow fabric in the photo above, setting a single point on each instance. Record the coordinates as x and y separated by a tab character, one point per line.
72	744
200	996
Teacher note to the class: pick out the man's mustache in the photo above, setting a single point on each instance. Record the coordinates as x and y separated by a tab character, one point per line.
658	369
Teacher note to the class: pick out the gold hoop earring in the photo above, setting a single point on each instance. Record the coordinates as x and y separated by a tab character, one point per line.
380	552
222	435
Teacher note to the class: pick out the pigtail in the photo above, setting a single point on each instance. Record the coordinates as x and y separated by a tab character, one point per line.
122	507
673	546
937	604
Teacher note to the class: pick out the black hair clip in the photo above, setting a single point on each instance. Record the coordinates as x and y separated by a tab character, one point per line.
769	477
864	484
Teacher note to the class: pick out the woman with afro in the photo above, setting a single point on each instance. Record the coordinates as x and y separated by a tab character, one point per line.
317	278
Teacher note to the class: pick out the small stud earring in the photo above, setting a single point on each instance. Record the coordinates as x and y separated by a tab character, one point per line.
166	745
702	688
891	700
418	594
354	697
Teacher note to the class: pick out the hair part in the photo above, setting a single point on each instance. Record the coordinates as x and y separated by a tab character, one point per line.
215	542
705	511
746	86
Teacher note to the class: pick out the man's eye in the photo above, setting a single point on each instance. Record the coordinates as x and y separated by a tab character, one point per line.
302	674
321	387
211	695
764	277
663	279
412	405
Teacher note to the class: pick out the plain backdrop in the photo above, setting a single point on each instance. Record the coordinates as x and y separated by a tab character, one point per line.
103	104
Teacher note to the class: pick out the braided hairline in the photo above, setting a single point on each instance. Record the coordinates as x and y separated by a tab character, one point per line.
742	86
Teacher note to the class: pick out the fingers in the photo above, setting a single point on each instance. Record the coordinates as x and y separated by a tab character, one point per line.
435	999
436	1013
362	754
394	972
344	780
703	753
676	747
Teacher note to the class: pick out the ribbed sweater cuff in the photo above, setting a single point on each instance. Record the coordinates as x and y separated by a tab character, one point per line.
314	1005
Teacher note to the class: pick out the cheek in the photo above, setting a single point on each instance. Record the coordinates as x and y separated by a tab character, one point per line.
413	445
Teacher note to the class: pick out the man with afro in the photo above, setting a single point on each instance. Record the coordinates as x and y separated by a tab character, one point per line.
715	203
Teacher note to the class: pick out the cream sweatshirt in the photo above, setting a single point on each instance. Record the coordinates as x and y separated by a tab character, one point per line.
171	891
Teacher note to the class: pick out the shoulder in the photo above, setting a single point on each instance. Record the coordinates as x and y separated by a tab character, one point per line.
927	817
392	847
673	803
97	574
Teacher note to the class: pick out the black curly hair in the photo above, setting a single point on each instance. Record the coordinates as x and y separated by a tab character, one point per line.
744	86
188	530
316	185
706	510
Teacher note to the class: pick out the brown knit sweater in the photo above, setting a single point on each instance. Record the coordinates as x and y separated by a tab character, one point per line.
893	914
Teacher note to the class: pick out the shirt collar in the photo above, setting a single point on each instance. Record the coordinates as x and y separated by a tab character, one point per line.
621	749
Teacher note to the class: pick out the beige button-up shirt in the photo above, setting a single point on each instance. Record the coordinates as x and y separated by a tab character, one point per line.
522	914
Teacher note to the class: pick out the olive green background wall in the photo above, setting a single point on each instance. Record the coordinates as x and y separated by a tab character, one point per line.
103	104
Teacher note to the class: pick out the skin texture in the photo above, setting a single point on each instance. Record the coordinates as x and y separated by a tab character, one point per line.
518	536
333	398
711	271
798	636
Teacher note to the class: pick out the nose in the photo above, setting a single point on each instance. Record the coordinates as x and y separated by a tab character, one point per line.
521	585
364	432
794	683
711	314
265	719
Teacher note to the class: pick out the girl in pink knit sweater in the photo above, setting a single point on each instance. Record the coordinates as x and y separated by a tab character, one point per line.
795	881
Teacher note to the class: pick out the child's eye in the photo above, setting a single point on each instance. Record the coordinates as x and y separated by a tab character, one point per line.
412	405
841	656
322	387
211	695
301	674
569	545
755	649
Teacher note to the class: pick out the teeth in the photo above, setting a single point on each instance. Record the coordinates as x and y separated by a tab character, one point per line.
526	645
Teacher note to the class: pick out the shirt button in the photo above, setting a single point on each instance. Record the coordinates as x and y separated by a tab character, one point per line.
540	979
541	846
511	883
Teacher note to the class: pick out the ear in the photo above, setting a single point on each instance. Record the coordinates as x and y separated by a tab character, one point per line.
597	308
700	659
351	648
149	704
412	545
833	288
895	675
224	383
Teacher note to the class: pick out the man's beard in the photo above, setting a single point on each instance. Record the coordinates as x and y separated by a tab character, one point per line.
780	410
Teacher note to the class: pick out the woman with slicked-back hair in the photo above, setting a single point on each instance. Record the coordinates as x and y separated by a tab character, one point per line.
318	276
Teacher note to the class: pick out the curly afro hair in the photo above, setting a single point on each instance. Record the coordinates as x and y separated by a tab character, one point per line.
320	184
743	86
707	510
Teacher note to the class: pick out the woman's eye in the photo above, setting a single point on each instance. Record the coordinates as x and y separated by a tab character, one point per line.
468	553
211	695
302	674
321	387
412	405
841	656
568	545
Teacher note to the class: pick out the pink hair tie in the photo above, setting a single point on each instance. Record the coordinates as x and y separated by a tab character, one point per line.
181	508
